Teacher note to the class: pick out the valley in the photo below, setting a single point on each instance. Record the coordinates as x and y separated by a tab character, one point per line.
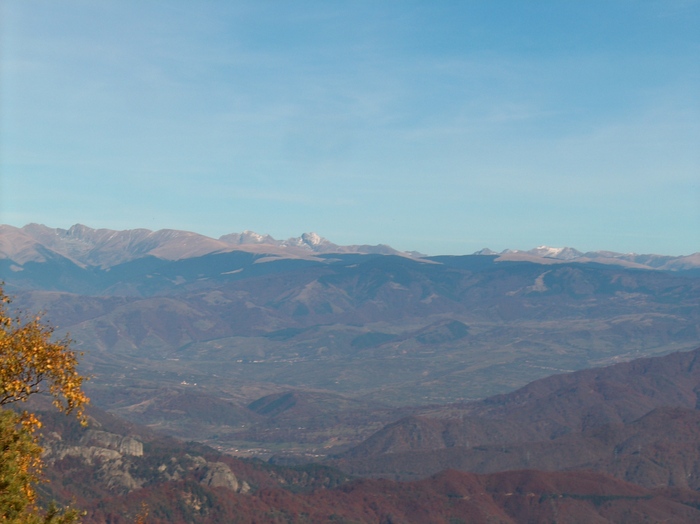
615	444
349	262
190	341
288	372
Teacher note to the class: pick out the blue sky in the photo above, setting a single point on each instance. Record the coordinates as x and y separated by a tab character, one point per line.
442	127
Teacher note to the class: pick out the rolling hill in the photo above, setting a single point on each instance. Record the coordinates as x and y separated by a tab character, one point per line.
636	420
357	331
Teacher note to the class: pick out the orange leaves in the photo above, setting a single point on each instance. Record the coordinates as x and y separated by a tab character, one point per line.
30	362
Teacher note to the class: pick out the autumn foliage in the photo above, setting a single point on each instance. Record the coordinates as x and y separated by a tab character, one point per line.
30	363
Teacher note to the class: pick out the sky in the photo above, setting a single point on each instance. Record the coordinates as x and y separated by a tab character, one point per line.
441	127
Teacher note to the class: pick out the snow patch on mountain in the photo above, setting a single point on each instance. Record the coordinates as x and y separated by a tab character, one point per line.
560	253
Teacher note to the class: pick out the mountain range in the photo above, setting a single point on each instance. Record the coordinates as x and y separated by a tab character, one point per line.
291	351
521	386
105	247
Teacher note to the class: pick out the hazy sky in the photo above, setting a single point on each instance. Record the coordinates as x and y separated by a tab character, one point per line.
438	126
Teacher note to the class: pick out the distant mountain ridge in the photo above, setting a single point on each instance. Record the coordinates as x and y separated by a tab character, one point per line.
378	329
106	248
547	254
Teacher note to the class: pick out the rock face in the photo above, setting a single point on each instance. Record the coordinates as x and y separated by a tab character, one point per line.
119	464
103	450
123	445
88	454
116	476
219	475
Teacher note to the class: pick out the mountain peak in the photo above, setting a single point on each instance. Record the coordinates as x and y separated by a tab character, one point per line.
106	247
313	239
485	251
562	253
246	238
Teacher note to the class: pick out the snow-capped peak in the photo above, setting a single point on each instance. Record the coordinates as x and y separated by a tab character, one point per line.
562	253
252	236
312	239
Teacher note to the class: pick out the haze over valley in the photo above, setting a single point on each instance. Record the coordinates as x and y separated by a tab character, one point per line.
355	262
303	347
331	362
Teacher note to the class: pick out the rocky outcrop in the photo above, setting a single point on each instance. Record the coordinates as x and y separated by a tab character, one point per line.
88	454
94	446
116	476
118	464
123	445
219	475
102	450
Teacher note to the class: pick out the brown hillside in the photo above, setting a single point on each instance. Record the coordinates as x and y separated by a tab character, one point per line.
450	497
635	420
